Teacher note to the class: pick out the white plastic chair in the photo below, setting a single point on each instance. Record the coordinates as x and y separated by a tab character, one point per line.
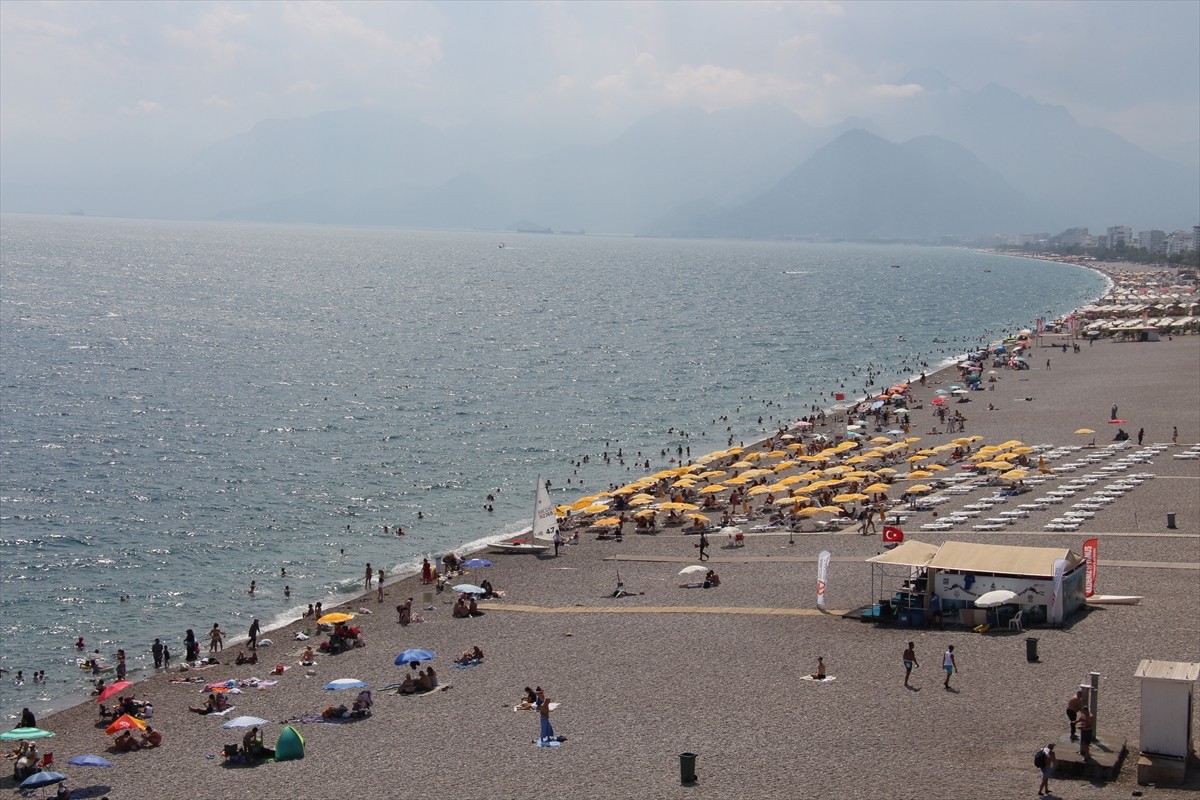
1014	624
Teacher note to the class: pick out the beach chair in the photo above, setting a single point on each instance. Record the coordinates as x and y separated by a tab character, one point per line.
46	762
1014	624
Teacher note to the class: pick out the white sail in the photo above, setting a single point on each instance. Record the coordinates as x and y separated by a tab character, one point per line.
545	519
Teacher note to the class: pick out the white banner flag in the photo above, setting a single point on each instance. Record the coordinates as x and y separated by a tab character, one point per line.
822	571
1056	594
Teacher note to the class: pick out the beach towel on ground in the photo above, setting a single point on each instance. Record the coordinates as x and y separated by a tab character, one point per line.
553	705
472	663
220	713
826	679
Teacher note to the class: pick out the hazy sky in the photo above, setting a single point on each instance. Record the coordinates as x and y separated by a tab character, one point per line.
197	70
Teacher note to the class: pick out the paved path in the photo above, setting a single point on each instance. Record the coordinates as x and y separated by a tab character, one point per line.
748	559
767	612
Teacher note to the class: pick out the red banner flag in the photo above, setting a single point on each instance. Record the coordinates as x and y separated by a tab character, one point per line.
1091	550
892	535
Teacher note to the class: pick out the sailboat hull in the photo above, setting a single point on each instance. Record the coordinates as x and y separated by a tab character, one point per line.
518	548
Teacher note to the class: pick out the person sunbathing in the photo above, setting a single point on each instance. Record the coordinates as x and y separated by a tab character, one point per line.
308	658
424	682
126	743
461	609
473	608
488	591
151	738
242	658
711	579
432	678
819	675
408	685
214	704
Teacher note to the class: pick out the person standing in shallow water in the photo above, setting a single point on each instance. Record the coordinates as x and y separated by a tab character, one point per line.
367	576
254	628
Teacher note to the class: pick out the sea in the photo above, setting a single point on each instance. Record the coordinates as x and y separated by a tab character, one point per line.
188	407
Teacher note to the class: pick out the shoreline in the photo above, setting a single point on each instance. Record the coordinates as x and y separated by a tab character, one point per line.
836	413
540	634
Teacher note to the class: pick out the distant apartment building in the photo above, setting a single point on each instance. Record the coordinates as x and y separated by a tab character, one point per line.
1196	238
1073	237
1119	235
1153	241
1181	242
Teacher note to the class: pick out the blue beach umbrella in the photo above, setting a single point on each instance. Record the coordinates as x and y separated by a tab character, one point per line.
90	761
43	778
409	656
345	683
477	562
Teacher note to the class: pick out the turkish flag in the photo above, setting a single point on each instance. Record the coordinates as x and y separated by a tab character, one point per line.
892	535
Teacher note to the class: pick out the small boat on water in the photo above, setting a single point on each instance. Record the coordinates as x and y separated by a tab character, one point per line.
895	266
545	526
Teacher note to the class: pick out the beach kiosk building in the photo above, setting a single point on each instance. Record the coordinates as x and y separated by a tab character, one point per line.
1048	583
1166	730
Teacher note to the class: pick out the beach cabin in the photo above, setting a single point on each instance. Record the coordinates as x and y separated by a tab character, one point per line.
1167	711
959	573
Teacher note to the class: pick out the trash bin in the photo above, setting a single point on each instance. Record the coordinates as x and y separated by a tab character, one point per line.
1171	520
687	767
1031	654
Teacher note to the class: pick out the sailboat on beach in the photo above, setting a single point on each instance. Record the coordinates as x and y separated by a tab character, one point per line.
545	526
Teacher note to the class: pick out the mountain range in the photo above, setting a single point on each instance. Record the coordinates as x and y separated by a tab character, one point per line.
947	162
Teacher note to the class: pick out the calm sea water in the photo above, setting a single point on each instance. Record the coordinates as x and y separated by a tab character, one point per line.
188	407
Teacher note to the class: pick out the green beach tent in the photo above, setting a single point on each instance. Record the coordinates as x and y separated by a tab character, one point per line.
289	745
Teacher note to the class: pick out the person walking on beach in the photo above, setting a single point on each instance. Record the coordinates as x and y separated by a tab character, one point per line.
216	640
1044	761
949	664
1141	435
166	655
380	585
910	660
1113	412
1174	435
558	540
426	571
156	650
367	576
254	634
703	546
1073	706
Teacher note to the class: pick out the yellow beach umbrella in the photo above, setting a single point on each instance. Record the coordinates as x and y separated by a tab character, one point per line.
881	440
918	488
1084	431
334	618
777	454
701	517
811	511
878	488
934	468
713	489
1014	474
831	510
743	464
917	457
852	497
683	483
886	471
641	501
713	473
739	480
912	439
584	502
918	474
596	508
757	490
608	521
645	513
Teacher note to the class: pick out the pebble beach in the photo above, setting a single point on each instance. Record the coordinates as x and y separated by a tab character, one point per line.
719	672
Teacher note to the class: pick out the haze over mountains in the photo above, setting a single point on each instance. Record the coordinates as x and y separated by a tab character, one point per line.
946	162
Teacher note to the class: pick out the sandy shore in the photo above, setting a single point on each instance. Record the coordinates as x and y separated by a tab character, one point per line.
717	673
